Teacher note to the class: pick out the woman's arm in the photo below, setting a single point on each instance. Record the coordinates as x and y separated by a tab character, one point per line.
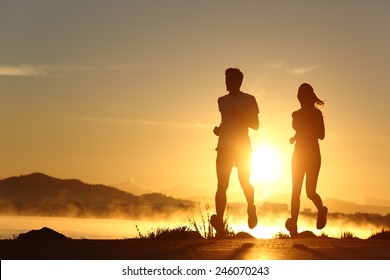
321	127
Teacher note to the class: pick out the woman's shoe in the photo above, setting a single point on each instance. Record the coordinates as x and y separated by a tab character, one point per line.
292	227
321	217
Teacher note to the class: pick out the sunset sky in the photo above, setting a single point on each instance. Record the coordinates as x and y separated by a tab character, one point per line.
124	93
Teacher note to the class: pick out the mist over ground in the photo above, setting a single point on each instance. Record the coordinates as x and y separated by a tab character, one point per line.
39	195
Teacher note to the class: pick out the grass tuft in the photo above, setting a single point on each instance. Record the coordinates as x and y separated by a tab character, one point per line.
196	229
347	235
323	235
181	232
383	234
204	227
281	235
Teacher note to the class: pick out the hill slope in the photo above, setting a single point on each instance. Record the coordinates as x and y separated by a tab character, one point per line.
39	194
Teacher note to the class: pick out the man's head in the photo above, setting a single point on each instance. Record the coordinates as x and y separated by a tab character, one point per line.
233	79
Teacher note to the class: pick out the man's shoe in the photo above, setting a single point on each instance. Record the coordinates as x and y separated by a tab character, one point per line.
252	217
217	223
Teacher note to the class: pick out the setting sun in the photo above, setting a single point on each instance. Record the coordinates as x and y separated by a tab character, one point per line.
266	164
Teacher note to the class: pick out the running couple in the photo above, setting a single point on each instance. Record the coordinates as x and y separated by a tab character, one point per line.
239	112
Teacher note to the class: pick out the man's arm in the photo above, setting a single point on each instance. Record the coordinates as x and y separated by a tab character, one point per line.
217	130
254	115
254	121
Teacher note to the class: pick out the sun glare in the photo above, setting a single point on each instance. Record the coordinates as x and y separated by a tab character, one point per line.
266	164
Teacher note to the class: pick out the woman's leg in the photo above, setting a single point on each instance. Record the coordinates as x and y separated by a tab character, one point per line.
312	173
298	173
311	188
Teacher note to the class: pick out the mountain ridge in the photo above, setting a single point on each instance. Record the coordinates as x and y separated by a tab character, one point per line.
41	194
38	193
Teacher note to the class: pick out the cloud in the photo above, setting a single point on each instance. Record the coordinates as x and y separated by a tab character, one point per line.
144	122
22	71
295	70
301	70
363	137
27	70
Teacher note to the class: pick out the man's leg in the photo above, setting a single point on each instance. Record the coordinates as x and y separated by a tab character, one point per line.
243	165
224	168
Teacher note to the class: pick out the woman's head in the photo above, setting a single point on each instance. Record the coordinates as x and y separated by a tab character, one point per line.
307	97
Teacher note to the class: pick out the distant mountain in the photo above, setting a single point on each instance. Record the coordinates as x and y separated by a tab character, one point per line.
39	187
347	207
42	195
39	194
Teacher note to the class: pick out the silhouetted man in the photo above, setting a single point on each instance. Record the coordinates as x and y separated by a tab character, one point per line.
239	112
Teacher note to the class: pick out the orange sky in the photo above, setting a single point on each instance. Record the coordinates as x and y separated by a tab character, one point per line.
124	92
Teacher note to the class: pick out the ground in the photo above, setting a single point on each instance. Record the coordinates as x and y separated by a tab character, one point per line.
197	249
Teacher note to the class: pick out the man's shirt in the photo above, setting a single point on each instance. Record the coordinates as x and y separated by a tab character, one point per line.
234	131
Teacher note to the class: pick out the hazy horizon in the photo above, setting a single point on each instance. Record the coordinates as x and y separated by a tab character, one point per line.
119	228
58	205
338	205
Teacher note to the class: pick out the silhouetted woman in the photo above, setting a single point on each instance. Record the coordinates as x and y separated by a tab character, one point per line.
308	124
